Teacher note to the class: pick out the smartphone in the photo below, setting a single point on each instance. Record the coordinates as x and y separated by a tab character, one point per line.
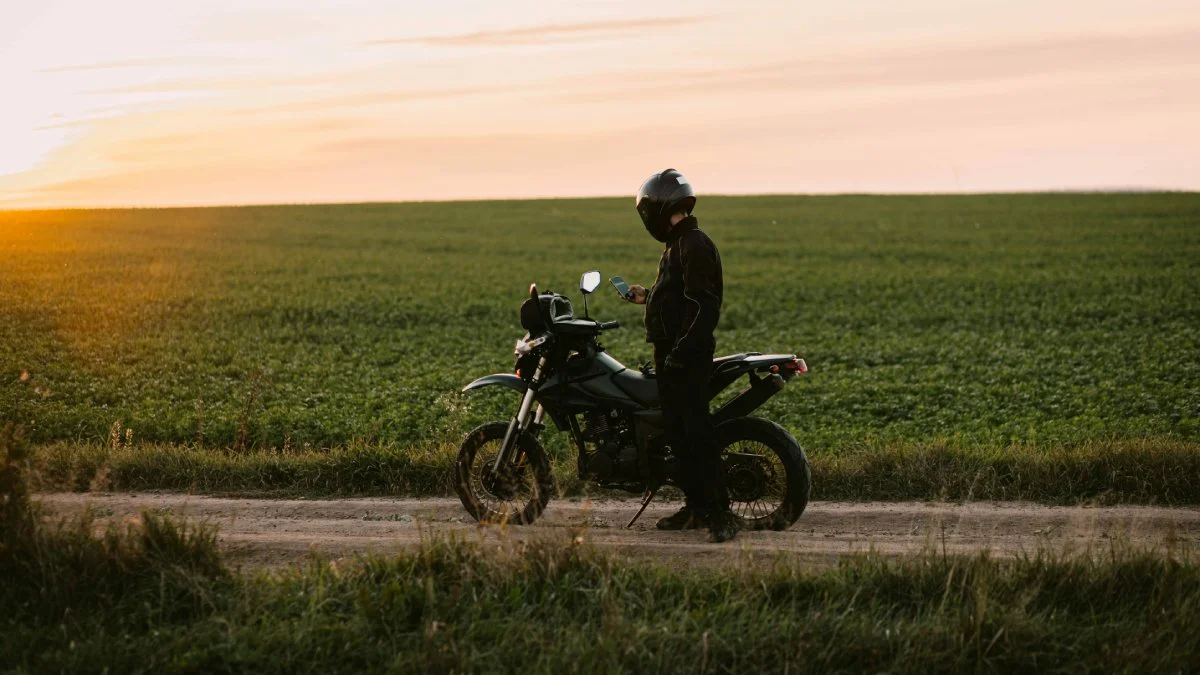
622	287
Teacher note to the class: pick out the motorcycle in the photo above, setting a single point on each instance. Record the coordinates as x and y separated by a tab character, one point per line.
612	416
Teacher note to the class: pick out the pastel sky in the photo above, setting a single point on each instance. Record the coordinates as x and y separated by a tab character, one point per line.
131	102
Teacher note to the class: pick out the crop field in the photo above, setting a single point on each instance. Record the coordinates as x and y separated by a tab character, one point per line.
977	325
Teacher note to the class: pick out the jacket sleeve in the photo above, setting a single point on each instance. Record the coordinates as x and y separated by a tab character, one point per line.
701	298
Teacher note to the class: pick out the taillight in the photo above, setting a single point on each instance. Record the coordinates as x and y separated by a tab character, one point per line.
797	366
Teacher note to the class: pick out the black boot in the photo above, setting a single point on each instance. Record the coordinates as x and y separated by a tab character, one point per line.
722	526
687	518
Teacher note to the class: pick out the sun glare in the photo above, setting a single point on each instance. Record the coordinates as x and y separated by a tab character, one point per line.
25	151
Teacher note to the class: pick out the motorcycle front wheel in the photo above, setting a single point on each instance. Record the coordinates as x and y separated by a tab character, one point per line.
766	473
518	493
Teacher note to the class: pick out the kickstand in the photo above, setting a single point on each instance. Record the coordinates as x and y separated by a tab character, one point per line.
645	503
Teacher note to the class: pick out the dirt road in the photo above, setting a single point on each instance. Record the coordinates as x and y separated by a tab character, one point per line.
266	532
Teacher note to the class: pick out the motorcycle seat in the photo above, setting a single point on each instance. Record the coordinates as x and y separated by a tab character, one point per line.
647	368
723	363
642	389
720	360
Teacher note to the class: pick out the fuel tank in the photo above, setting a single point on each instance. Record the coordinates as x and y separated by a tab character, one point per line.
597	380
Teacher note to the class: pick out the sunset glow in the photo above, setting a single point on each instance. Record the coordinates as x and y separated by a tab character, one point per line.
142	103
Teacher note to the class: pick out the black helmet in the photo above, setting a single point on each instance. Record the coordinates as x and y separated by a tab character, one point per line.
663	195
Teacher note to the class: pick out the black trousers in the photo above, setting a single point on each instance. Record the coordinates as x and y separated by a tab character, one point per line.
684	396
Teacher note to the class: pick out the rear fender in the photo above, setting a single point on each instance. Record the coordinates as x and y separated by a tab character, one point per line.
727	373
760	389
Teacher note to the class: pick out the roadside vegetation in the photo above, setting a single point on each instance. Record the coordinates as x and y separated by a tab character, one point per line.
1115	472
154	596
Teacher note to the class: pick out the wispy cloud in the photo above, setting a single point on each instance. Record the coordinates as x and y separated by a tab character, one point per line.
69	124
148	62
395	96
221	84
545	33
947	64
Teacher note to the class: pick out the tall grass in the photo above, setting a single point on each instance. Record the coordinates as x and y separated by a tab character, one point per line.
55	571
17	515
559	607
1141	472
153	596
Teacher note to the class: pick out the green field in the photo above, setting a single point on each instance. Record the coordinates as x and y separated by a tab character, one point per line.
973	322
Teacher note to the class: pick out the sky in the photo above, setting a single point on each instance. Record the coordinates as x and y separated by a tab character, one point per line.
137	103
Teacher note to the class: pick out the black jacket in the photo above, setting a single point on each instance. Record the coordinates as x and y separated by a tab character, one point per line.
684	305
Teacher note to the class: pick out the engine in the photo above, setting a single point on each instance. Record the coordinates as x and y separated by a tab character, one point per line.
610	433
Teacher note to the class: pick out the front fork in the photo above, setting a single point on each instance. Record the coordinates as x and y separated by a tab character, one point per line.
520	423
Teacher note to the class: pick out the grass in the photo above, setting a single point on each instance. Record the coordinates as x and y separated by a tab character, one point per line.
450	607
154	596
1010	346
988	320
1114	472
1040	347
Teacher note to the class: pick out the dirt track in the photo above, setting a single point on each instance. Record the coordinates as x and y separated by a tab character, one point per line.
266	532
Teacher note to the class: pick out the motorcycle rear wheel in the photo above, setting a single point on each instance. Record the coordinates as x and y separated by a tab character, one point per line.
766	472
519	494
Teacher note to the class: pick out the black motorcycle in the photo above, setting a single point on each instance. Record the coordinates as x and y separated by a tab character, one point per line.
502	473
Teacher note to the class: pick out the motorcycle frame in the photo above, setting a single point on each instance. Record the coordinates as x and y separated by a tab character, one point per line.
761	388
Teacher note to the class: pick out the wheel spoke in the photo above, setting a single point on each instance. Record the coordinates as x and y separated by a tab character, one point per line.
758	486
517	485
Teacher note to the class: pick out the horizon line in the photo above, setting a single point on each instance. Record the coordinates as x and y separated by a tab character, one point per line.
737	195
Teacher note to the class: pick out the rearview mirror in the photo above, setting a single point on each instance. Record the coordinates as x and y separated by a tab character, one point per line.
590	281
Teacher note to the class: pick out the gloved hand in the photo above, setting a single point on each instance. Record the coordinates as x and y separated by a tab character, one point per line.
673	362
637	294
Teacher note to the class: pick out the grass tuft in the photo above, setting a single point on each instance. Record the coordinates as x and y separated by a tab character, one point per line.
17	515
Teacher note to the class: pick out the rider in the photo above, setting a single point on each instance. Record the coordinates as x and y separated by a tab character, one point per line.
682	309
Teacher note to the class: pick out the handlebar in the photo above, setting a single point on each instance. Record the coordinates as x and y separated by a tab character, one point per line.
609	325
